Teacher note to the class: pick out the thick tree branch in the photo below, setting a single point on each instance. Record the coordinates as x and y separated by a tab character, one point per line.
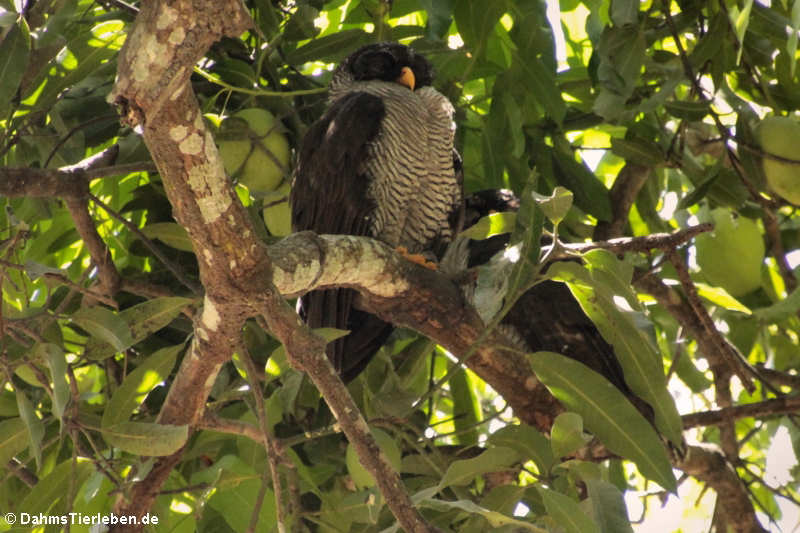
709	466
235	270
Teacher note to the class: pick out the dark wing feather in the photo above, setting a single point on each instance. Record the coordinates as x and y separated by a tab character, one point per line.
329	195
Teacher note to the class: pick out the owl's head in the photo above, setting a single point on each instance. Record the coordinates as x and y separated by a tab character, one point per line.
385	62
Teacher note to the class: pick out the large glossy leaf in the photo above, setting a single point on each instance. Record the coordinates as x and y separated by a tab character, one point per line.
542	82
14	52
57	362
48	495
566	512
330	47
466	407
145	438
138	383
608	507
528	442
495	519
463	472
596	290
33	423
142	320
106	326
171	234
13	438
237	489
606	413
590	194
476	20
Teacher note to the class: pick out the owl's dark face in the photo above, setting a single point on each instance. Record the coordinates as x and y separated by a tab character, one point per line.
385	62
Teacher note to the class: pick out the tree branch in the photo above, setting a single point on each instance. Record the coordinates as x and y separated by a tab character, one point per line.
777	406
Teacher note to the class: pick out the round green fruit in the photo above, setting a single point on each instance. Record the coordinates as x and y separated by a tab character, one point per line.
731	256
278	214
254	149
361	477
779	136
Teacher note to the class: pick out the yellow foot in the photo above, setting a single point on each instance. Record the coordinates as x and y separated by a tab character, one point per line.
417	258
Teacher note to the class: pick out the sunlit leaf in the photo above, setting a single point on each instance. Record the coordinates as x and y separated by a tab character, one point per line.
463	472
566	512
606	413
147	439
138	383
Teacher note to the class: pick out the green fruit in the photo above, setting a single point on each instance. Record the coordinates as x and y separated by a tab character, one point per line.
358	473
780	136
278	214
731	256
254	149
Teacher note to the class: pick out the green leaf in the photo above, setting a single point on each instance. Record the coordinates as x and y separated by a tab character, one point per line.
466	407
51	489
556	206
141	320
301	24
528	442
526	236
145	438
476	20
791	42
624	12
494	144
331	47
608	506
138	384
440	16
237	488
106	327
639	151
641	362
57	362
36	270
606	413
781	310
92	51
566	435
171	234
463	472
492	224
33	423
543	86
721	297
711	43
621	52
15	49
740	20
495	519
14	438
590	193
566	512
687	110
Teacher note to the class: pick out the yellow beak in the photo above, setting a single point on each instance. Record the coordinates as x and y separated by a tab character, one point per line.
406	78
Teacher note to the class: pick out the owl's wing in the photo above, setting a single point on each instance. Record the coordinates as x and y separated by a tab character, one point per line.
329	195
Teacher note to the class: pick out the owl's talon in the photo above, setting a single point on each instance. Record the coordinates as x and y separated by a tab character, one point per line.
417	258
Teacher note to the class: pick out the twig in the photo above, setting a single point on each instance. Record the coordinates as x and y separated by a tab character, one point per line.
767	408
657	241
274	452
725	354
175	269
